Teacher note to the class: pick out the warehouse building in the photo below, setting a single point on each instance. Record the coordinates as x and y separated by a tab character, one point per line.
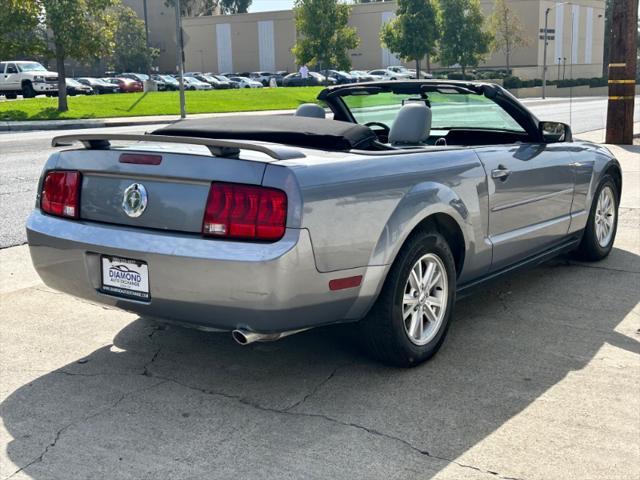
263	41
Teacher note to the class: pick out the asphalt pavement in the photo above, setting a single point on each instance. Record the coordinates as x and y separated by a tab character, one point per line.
22	155
538	379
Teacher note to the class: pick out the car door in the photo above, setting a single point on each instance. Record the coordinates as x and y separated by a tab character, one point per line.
3	83
530	195
12	77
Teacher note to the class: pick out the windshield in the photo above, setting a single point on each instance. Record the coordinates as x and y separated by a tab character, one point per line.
31	67
449	110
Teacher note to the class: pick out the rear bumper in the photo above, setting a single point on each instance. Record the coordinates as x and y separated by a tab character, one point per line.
211	283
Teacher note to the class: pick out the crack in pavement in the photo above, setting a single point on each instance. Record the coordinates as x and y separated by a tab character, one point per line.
317	388
244	401
60	431
598	267
284	411
369	430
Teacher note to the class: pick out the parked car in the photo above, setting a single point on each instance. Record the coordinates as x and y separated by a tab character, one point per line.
192	83
362	76
143	77
423	74
265	77
403	72
340	77
170	82
246	82
98	85
126	85
27	79
74	87
315	79
388	74
334	222
213	81
226	80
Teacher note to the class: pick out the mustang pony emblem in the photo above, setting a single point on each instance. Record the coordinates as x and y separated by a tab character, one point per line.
134	201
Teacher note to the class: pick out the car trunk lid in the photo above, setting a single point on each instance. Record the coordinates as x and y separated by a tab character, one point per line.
175	183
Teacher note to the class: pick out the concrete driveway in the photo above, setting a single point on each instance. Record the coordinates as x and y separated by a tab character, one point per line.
539	379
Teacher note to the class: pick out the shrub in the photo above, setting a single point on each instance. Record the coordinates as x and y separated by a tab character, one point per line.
460	76
512	82
598	82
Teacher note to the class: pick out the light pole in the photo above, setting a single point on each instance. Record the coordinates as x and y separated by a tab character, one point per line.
180	58
544	55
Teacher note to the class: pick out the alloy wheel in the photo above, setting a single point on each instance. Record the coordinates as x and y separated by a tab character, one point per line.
425	299
605	216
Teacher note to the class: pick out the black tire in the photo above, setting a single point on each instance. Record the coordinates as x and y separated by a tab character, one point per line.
383	330
590	248
28	91
11	96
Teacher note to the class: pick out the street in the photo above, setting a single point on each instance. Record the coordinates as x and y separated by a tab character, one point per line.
23	154
538	379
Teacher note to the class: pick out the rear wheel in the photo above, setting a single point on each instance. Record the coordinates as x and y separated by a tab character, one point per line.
11	96
602	224
410	318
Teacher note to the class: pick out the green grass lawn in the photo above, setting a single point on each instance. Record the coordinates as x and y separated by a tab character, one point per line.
159	103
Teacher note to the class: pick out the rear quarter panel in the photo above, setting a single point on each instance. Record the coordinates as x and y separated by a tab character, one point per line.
359	209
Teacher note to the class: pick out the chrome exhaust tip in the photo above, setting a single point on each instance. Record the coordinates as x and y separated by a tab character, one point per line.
245	337
242	337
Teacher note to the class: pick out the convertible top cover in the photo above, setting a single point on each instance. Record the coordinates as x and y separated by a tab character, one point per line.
307	132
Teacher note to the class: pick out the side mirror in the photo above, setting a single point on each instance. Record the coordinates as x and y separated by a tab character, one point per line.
554	132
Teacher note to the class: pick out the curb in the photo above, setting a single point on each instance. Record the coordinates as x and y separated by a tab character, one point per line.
72	124
33	125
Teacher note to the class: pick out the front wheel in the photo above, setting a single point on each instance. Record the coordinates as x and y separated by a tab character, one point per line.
409	321
602	224
28	91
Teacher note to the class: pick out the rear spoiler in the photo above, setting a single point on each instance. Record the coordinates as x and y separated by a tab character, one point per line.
219	148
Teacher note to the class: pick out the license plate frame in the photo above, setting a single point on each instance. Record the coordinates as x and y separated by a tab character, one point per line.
124	277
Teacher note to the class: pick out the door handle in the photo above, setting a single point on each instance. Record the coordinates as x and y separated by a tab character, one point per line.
501	172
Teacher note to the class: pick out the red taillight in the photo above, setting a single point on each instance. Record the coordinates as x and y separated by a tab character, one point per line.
245	212
61	194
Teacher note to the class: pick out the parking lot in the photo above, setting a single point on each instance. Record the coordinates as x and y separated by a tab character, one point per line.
538	379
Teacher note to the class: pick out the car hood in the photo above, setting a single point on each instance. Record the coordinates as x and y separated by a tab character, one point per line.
44	73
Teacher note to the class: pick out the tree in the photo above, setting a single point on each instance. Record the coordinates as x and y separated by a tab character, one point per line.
325	37
462	40
21	31
229	7
82	29
200	8
413	33
507	30
131	53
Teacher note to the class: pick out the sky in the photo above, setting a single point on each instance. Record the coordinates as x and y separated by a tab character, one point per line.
266	5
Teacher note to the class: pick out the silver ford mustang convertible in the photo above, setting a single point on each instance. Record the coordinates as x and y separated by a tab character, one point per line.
412	193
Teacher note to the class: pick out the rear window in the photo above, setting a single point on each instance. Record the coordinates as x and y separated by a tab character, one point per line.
449	110
2	65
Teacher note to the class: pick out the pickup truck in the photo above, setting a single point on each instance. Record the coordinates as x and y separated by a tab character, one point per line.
413	193
27	79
